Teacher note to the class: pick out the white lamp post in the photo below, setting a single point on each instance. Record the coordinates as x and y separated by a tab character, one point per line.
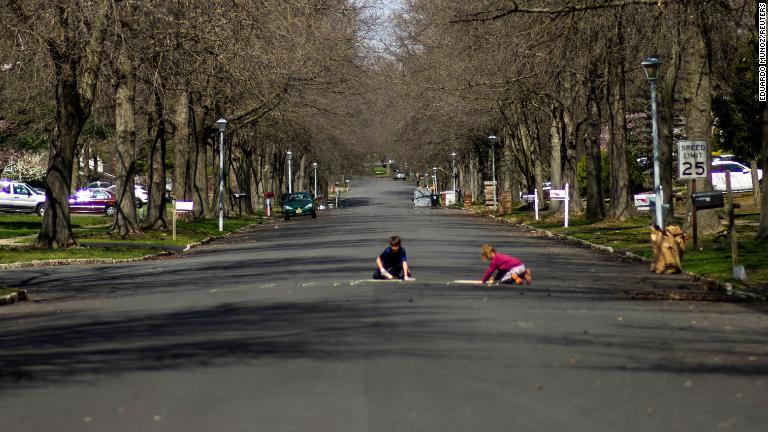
492	139
290	176
434	178
652	65
222	125
314	165
453	169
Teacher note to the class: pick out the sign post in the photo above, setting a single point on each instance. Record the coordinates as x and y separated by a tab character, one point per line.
561	195
180	207
692	165
737	270
694	221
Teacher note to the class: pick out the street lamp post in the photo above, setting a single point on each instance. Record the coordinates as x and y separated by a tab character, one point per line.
492	139
652	65
434	178
453	169
314	165
222	124
290	176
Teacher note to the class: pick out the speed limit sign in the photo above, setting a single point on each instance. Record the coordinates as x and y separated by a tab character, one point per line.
692	159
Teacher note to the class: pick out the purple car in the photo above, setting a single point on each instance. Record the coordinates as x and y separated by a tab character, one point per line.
93	201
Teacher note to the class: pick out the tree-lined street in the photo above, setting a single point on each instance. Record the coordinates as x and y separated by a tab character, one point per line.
205	187
278	328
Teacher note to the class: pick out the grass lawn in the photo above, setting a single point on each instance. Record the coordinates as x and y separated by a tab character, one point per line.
19	225
712	260
91	232
14	255
186	232
5	291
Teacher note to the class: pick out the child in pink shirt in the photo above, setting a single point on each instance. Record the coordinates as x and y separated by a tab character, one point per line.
510	269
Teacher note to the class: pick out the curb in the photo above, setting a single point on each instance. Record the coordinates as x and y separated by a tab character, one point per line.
708	283
211	239
16	297
82	261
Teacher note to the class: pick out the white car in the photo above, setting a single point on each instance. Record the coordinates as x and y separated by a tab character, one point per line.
741	175
21	198
141	194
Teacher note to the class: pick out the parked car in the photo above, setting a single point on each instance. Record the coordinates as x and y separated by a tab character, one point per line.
399	175
93	201
139	194
98	185
37	190
299	204
741	175
21	198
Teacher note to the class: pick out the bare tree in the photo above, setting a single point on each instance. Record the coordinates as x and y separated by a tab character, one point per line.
74	41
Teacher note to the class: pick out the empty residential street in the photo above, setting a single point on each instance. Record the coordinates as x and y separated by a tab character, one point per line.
280	329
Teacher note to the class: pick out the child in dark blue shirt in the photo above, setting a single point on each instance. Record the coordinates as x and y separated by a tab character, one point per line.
392	263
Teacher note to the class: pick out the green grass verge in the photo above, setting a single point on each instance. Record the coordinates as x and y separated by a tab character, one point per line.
4	291
186	232
15	255
92	235
19	225
713	260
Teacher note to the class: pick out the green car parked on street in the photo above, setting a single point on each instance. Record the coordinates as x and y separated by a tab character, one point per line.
299	204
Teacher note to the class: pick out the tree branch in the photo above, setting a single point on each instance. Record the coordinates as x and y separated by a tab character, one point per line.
516	8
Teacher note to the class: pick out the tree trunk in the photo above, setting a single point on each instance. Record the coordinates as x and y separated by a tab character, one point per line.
76	76
86	157
666	111
570	163
125	223
762	231
56	231
538	168
506	169
181	146
556	156
697	97
156	215
620	204
245	179
199	161
300	174
469	177
595	203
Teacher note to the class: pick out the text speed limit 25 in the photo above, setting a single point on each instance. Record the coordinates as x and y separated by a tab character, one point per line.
692	159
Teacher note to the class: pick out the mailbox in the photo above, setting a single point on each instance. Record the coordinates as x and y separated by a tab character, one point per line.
708	200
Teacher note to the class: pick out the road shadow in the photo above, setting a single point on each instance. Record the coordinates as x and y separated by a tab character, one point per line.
76	345
81	346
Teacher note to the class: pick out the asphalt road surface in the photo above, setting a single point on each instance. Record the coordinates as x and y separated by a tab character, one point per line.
277	329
